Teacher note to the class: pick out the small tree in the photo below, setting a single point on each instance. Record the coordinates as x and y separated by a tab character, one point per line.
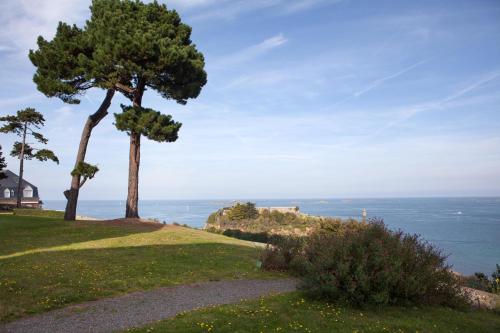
23	124
3	165
83	171
243	212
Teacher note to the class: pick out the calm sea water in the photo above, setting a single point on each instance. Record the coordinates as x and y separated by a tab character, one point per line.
467	229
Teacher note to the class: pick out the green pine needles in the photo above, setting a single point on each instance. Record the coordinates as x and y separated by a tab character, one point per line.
130	47
148	122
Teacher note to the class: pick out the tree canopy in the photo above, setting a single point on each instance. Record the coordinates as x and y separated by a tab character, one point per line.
60	64
148	122
122	42
24	123
136	42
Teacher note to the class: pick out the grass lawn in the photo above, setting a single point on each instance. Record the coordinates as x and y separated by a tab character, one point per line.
46	263
292	313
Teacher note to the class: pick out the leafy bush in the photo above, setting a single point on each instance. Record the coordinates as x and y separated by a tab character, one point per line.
379	266
481	282
261	237
363	263
212	218
243	211
281	251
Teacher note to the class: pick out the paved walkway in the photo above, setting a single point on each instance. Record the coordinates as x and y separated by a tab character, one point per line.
142	308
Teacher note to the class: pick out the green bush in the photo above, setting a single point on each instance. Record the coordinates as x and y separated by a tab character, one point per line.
212	218
243	211
378	266
261	237
361	263
38	212
481	282
280	252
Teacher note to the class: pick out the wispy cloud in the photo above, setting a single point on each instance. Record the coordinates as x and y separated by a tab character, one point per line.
231	9
378	82
251	52
409	112
301	5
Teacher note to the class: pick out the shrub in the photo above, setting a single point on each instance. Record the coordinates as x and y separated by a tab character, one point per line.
243	211
366	263
281	251
261	237
495	281
212	218
481	282
372	264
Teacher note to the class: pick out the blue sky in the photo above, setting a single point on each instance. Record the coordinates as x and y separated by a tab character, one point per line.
305	98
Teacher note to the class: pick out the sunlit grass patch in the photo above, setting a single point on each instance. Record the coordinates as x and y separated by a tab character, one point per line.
48	263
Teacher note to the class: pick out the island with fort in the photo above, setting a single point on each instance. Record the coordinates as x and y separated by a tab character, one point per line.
247	221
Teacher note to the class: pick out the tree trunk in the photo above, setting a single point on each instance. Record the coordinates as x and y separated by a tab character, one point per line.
92	121
132	209
133	176
21	169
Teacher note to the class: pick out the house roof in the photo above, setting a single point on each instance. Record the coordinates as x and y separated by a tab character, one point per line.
12	180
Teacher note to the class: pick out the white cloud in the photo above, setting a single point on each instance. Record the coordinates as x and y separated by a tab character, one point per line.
24	20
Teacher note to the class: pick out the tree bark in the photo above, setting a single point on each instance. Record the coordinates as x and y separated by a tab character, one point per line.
132	209
92	121
21	168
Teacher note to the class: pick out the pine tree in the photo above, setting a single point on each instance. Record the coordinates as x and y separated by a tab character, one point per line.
23	124
149	47
125	46
63	71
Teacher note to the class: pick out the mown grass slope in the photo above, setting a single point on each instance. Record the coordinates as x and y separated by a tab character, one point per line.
46	263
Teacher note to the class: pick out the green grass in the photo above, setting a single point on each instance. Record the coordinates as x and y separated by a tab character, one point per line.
46	263
38	212
292	313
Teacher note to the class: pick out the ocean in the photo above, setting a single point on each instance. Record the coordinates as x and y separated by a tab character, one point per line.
466	229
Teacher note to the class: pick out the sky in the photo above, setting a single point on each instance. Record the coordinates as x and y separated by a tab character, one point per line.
305	99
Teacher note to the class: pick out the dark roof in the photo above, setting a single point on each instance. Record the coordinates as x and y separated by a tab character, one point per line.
12	180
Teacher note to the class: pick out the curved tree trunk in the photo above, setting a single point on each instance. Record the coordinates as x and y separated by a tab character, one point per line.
132	210
21	169
92	121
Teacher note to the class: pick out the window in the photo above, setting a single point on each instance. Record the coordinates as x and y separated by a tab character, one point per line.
28	192
6	193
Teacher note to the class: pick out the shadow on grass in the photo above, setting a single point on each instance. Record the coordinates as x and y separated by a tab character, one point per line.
39	282
26	233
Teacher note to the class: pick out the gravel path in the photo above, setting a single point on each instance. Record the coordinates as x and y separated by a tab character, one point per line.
141	308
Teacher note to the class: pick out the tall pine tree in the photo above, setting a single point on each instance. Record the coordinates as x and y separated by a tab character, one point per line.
148	46
125	46
63	71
